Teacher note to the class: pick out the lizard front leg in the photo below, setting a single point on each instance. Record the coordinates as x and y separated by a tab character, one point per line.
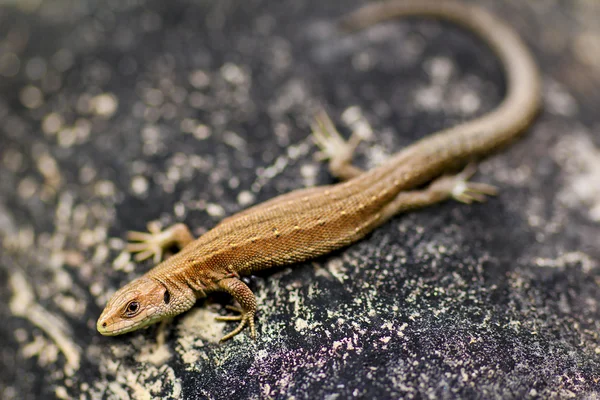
154	243
244	296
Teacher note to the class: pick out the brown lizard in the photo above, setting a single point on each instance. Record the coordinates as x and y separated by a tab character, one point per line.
311	222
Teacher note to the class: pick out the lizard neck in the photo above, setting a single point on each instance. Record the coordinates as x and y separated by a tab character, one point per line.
193	272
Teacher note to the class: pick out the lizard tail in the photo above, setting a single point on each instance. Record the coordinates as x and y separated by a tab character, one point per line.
520	106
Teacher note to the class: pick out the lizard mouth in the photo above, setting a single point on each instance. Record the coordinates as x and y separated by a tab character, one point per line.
106	327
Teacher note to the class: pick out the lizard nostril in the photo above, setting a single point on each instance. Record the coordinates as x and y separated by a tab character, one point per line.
104	325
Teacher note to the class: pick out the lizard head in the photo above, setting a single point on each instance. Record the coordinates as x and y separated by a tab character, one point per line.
140	303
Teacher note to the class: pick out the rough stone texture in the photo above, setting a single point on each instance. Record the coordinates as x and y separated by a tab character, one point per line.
116	113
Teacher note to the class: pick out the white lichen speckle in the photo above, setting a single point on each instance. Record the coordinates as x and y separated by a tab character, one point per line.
139	185
232	73
105	188
104	105
31	97
439	69
300	324
583	185
52	123
197	326
559	101
122	261
201	132
353	117
199	79
215	210
234	140
245	198
429	98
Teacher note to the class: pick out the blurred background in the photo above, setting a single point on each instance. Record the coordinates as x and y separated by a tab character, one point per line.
116	113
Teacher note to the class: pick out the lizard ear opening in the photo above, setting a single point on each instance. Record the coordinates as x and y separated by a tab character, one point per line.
166	294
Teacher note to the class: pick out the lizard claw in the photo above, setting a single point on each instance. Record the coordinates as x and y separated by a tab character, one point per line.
148	245
331	144
468	192
245	318
154	243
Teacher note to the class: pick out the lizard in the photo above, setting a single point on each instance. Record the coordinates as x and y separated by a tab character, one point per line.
311	222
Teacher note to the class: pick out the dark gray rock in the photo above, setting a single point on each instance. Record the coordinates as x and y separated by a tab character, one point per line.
116	113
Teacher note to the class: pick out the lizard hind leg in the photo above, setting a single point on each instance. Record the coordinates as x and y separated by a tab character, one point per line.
443	188
335	148
468	192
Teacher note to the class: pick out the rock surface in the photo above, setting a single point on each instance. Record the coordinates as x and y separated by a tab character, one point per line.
117	113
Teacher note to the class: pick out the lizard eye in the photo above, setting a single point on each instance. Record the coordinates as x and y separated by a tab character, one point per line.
132	308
